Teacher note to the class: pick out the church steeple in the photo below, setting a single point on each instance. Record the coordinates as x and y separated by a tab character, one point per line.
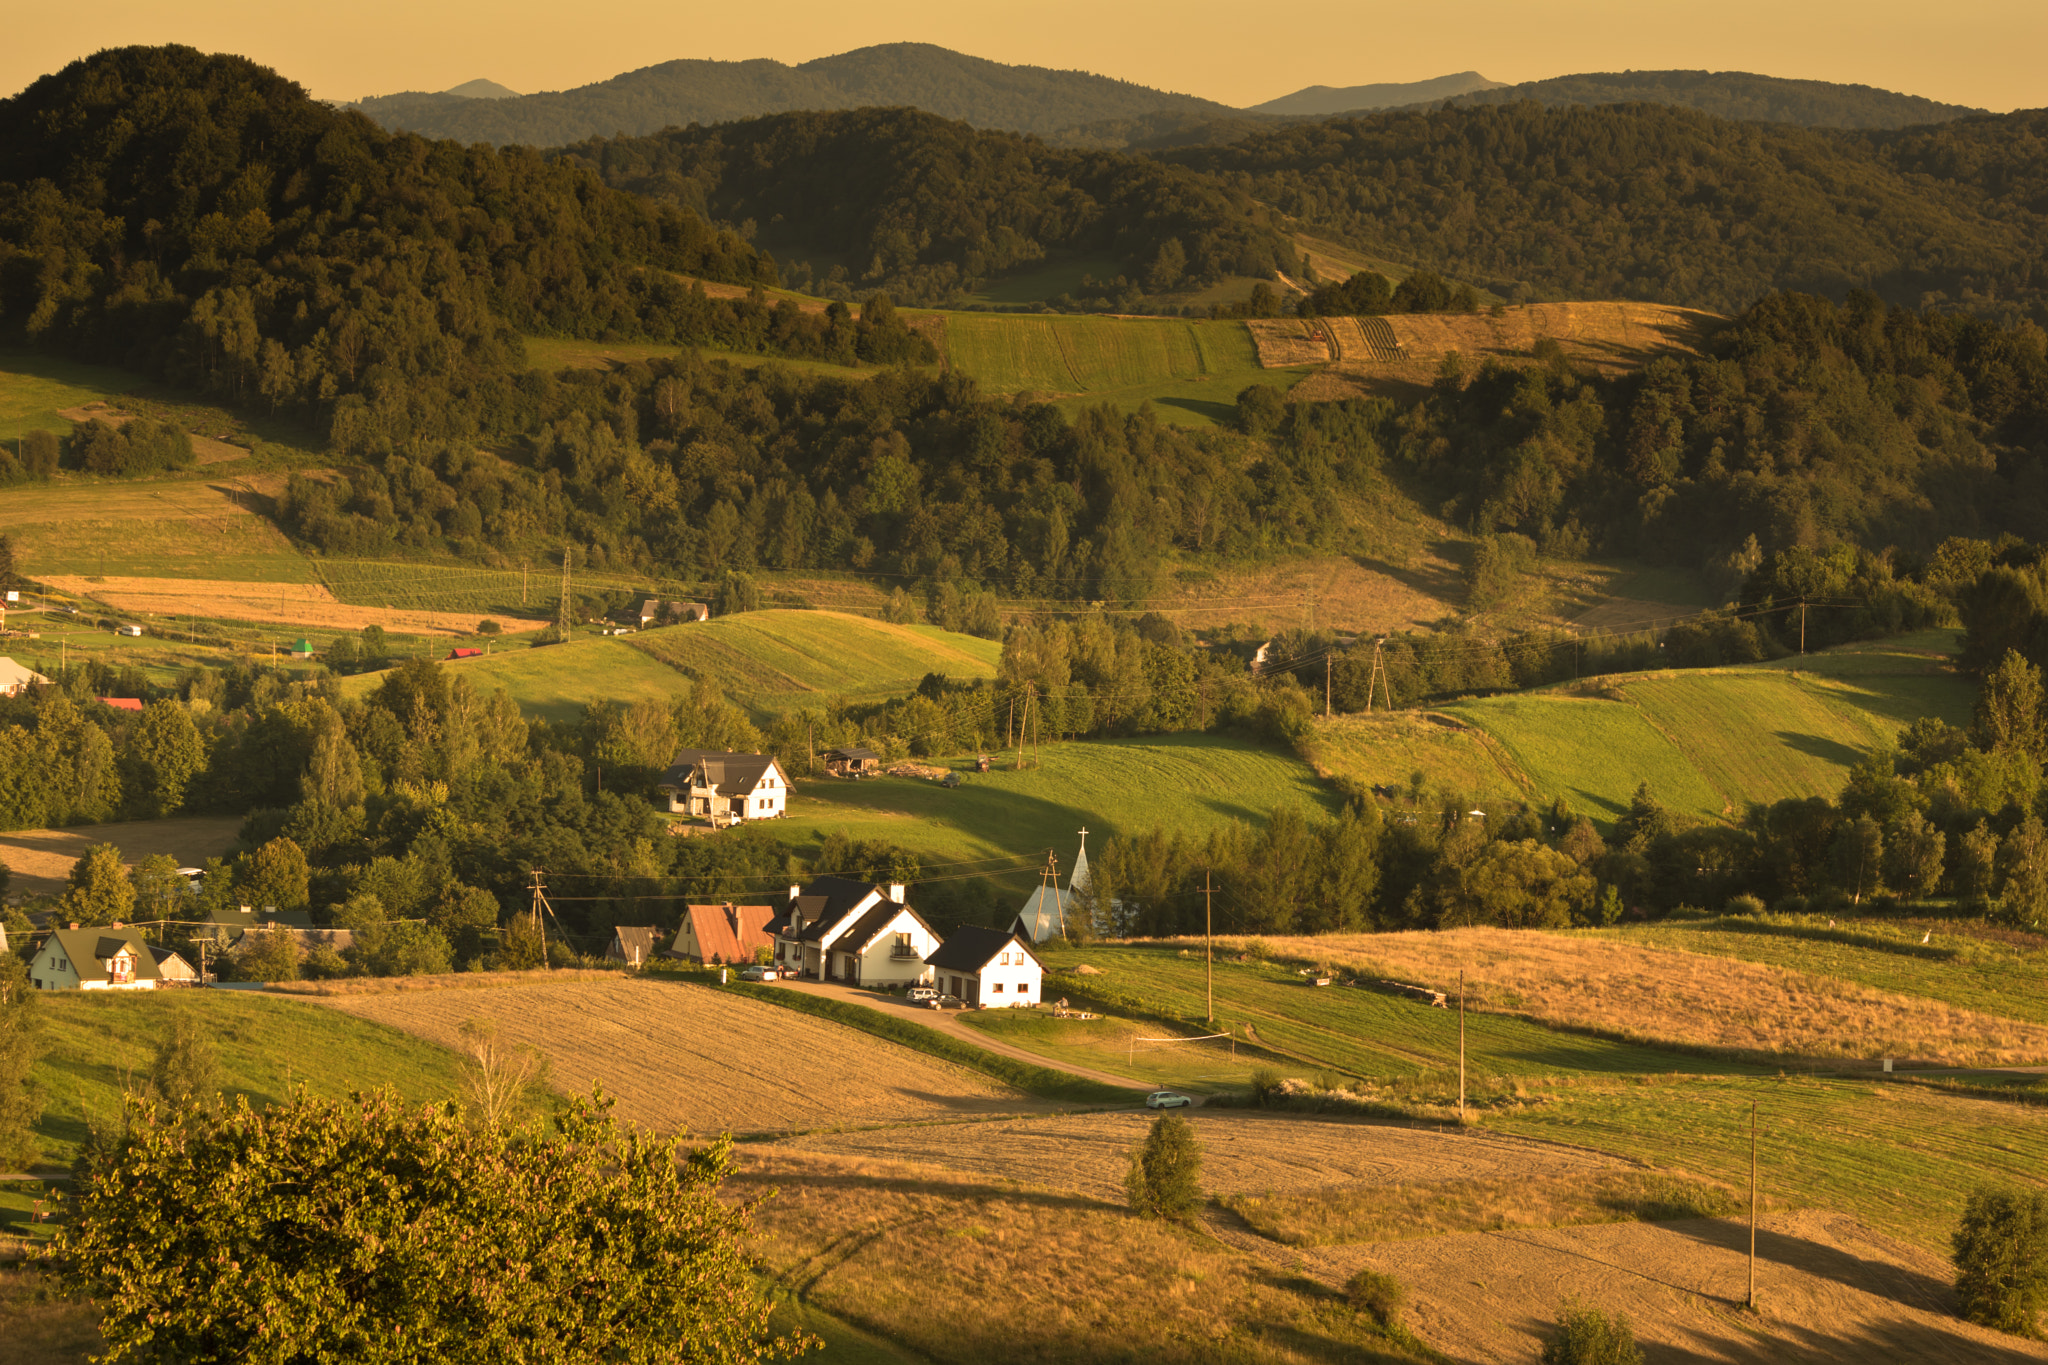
1079	883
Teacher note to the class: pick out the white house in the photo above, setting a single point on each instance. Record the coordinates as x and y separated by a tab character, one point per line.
837	929
14	678
725	789
102	959
991	968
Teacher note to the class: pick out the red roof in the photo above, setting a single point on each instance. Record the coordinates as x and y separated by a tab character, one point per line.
725	933
465	653
123	703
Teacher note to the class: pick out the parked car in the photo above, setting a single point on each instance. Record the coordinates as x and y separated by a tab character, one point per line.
924	993
760	974
1167	1099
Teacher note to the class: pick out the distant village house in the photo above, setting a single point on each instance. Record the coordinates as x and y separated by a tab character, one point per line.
15	679
656	612
726	789
111	958
633	945
992	968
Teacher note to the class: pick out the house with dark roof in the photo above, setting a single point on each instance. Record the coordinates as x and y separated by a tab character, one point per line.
838	929
725	789
724	934
111	958
633	944
655	611
990	968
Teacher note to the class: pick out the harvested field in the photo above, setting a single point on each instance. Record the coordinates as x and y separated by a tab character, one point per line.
1242	1153
1829	1288
41	859
1657	996
1412	586
295	604
677	1056
170	528
1281	342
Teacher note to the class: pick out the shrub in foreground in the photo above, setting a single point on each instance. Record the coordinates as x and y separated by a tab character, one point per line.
368	1230
1587	1336
1378	1296
1165	1179
2001	1251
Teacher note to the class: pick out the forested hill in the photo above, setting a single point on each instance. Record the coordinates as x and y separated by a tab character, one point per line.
674	94
1729	94
201	218
1673	205
925	207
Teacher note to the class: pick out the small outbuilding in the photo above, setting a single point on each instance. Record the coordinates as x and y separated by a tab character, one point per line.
122	703
852	762
302	649
991	968
633	944
172	967
464	652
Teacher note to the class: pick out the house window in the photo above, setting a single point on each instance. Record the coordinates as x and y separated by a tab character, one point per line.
995	987
1023	988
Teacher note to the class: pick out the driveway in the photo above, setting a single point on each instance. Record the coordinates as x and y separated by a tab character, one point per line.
949	1023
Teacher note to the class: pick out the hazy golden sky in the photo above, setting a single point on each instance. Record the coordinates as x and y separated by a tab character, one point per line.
1988	53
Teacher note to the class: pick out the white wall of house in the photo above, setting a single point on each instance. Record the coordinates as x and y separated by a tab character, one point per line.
896	956
51	970
1012	978
56	972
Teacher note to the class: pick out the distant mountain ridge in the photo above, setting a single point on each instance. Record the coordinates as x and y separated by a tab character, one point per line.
988	94
1732	95
1352	99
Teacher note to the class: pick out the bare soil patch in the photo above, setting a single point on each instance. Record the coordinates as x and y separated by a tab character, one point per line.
677	1056
296	604
1660	996
1242	1153
1829	1289
41	859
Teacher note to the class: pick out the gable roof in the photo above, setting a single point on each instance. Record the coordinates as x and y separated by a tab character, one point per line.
1044	916
123	703
170	965
1081	882
730	933
14	677
88	949
827	901
633	943
874	923
972	947
727	774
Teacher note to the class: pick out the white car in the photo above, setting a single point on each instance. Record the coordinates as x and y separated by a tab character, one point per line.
1167	1099
759	974
924	993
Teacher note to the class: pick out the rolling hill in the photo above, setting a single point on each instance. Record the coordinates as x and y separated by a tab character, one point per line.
1332	99
1726	94
985	93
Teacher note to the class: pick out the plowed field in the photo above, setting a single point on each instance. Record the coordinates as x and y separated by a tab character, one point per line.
295	604
682	1057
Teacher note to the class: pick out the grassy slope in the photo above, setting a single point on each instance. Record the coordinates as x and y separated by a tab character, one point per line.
1707	741
33	388
174	529
1192	370
1188	782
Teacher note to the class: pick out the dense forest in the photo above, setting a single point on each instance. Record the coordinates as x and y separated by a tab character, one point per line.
1729	95
952	85
928	209
1673	205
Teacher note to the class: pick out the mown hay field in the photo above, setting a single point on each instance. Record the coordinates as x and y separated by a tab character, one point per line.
309	605
679	1057
766	657
41	859
160	530
1390	747
1592	752
1193	370
1658	997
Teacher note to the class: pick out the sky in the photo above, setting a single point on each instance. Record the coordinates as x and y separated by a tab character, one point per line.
1984	53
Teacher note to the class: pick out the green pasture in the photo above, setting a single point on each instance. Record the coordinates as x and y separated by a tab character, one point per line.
1186	782
558	681
555	354
770	660
1387	748
167	529
1340	1029
34	388
1191	370
1594	753
1963	963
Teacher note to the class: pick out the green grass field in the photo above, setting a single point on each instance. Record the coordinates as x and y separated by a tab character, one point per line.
34	388
1389	747
765	660
555	354
172	529
1707	741
1192	370
1188	782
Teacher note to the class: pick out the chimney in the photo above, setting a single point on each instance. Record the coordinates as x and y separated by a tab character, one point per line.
72	925
896	892
795	890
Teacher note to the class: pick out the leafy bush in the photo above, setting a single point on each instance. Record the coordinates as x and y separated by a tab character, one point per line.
2001	1252
1587	1336
1376	1295
1266	1083
1165	1179
1744	905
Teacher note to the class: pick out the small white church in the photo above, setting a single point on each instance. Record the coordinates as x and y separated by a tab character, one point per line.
1044	915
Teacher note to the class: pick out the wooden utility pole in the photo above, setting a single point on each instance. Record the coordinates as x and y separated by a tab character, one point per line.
1326	686
1209	938
522	582
1802	625
540	903
1752	1205
562	614
1461	1046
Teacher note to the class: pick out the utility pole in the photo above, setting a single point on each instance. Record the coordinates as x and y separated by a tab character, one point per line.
1326	686
1378	678
1802	625
1209	937
522	582
562	616
1461	1046
540	903
1752	1205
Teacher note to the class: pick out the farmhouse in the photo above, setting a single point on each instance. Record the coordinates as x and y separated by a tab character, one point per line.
632	944
838	929
103	959
987	967
14	679
851	762
726	933
653	611
725	788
